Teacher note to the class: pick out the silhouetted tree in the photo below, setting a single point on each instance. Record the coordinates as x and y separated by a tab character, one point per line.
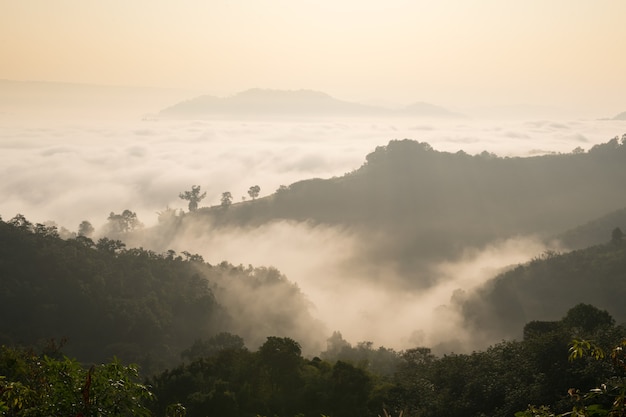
193	196
254	191
227	199
20	222
125	222
587	318
617	235
110	245
85	229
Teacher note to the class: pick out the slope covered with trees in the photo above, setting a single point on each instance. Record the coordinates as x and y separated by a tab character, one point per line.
545	287
144	307
499	381
414	205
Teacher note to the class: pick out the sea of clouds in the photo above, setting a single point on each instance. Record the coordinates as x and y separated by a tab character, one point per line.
70	170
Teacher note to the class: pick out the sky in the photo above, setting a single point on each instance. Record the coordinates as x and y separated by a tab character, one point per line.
455	53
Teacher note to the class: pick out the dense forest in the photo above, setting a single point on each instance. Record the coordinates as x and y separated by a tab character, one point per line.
594	275
575	363
140	306
161	311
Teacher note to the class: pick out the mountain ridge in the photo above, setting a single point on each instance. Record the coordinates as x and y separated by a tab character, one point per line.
258	101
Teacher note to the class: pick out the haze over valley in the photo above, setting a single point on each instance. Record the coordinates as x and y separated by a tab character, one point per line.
65	170
287	195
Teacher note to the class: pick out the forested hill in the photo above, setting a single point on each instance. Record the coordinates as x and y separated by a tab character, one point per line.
423	203
595	231
138	305
544	288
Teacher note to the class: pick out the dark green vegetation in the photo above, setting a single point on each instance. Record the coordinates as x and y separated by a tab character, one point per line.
534	291
49	384
595	231
227	379
141	306
148	307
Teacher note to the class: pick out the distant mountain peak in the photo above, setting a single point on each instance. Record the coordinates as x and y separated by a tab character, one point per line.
257	102
621	116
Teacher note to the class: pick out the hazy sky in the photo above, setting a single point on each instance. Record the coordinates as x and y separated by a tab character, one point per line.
457	53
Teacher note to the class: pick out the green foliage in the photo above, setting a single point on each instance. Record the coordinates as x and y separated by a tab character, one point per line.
274	380
107	300
380	361
143	307
40	385
606	398
212	346
581	348
545	286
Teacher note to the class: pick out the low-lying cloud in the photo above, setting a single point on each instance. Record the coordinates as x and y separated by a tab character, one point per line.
364	299
73	171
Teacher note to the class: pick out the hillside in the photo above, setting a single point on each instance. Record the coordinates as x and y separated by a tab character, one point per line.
593	232
140	306
414	205
546	287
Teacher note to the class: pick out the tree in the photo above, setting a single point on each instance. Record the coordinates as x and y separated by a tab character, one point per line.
587	318
110	245
212	346
351	388
85	229
125	222
193	196
41	385
617	235
253	192
227	199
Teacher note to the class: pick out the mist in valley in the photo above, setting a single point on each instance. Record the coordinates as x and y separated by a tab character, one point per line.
65	170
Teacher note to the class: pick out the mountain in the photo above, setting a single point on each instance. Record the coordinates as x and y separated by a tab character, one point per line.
593	232
621	116
422	109
301	103
546	287
415	206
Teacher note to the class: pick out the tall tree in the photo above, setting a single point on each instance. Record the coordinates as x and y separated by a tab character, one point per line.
127	221
227	199
85	229
617	235
254	191
193	196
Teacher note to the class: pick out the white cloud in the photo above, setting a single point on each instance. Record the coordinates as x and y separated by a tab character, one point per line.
69	172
